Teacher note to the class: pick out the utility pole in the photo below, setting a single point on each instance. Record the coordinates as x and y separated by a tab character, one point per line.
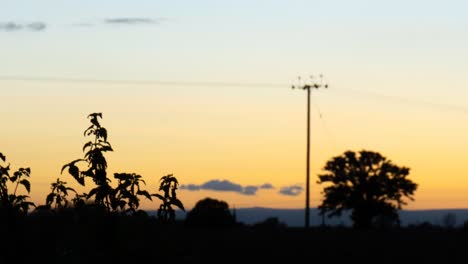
308	87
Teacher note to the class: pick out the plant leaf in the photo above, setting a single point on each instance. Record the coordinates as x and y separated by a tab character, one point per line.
92	192
26	185
90	129
71	189
102	132
178	203
74	171
159	196
69	164
89	144
50	199
145	193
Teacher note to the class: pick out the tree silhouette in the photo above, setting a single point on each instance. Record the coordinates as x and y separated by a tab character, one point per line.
210	212
368	184
168	186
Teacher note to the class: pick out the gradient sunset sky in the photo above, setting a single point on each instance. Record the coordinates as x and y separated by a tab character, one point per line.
202	89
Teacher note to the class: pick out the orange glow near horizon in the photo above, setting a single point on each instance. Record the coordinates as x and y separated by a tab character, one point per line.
248	138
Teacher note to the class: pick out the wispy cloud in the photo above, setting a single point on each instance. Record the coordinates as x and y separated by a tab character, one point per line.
227	186
293	190
132	20
14	26
122	21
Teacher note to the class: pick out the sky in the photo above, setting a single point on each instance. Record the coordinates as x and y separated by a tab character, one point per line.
202	90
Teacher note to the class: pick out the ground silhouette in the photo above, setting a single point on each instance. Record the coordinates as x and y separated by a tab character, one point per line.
93	235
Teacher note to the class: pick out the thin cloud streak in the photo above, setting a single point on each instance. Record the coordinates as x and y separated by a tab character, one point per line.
116	21
14	26
132	20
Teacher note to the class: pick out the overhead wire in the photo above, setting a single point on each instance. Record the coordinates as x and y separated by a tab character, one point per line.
394	98
141	82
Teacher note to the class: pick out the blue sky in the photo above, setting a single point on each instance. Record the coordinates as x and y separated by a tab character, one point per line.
415	50
288	38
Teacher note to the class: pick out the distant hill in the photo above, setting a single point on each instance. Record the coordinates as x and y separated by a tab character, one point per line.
295	217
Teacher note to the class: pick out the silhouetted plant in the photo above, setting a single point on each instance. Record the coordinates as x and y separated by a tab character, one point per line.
210	212
79	200
169	185
368	184
125	197
58	195
126	194
11	202
97	164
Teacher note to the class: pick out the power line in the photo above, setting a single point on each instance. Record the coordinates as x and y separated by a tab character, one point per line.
394	98
140	82
407	100
330	135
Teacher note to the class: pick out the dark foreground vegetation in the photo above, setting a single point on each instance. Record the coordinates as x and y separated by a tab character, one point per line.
105	225
95	237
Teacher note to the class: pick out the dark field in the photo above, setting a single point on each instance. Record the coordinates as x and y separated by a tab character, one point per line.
137	240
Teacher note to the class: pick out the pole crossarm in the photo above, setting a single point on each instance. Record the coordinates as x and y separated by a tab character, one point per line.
312	84
308	87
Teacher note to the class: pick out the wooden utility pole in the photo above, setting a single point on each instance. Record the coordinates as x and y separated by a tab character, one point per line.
308	87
